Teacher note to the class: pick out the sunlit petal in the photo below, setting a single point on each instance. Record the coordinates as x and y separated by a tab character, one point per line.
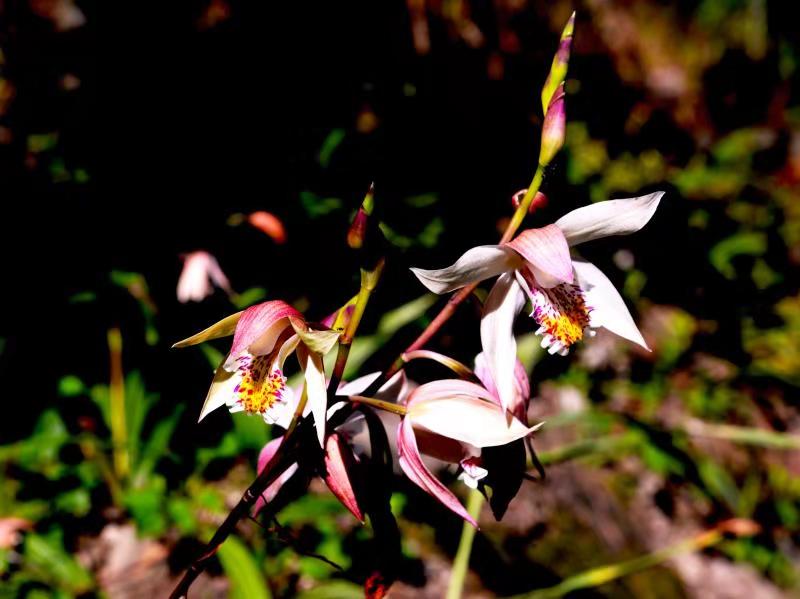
547	254
502	305
475	265
258	329
223	328
608	308
613	217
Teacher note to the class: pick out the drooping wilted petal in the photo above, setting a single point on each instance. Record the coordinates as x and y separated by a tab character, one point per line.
547	254
608	308
200	270
613	217
223	328
311	363
258	329
497	334
412	465
341	473
475	265
467	418
266	454
522	386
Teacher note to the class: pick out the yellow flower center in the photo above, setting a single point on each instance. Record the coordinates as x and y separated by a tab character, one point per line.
260	387
561	312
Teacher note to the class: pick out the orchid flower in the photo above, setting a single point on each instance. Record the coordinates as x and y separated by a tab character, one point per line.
451	420
567	295
250	378
200	273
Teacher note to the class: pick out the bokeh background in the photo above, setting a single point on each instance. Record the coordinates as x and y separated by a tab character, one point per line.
131	137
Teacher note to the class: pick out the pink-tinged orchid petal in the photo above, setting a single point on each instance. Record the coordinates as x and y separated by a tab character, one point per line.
547	254
266	454
340	469
445	388
522	386
223	328
468	419
412	465
505	301
443	448
320	341
477	264
222	390
608	308
200	271
613	217
311	363
258	329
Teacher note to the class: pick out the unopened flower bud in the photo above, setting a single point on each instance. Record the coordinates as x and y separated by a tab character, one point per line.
341	468
539	200
555	127
358	228
558	68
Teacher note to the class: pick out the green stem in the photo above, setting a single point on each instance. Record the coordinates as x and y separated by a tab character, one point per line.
369	280
458	298
116	392
386	406
461	562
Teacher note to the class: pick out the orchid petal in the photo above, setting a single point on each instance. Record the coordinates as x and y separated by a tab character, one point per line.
359	385
259	328
319	341
443	448
311	363
223	328
608	308
468	419
412	465
221	391
547	254
264	458
522	386
612	217
505	301
444	388
474	265
340	467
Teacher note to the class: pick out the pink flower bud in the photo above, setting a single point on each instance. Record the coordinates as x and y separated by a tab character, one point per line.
340	473
554	128
269	224
558	68
358	229
539	200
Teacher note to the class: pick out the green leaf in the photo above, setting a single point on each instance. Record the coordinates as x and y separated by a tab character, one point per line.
332	141
746	243
48	558
316	206
242	570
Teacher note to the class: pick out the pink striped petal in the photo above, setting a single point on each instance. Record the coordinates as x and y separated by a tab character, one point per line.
412	465
477	264
547	254
258	329
271	491
340	471
505	301
522	386
468	419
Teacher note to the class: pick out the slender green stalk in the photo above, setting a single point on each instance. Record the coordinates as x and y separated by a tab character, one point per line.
458	298
386	406
116	392
461	562
369	280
